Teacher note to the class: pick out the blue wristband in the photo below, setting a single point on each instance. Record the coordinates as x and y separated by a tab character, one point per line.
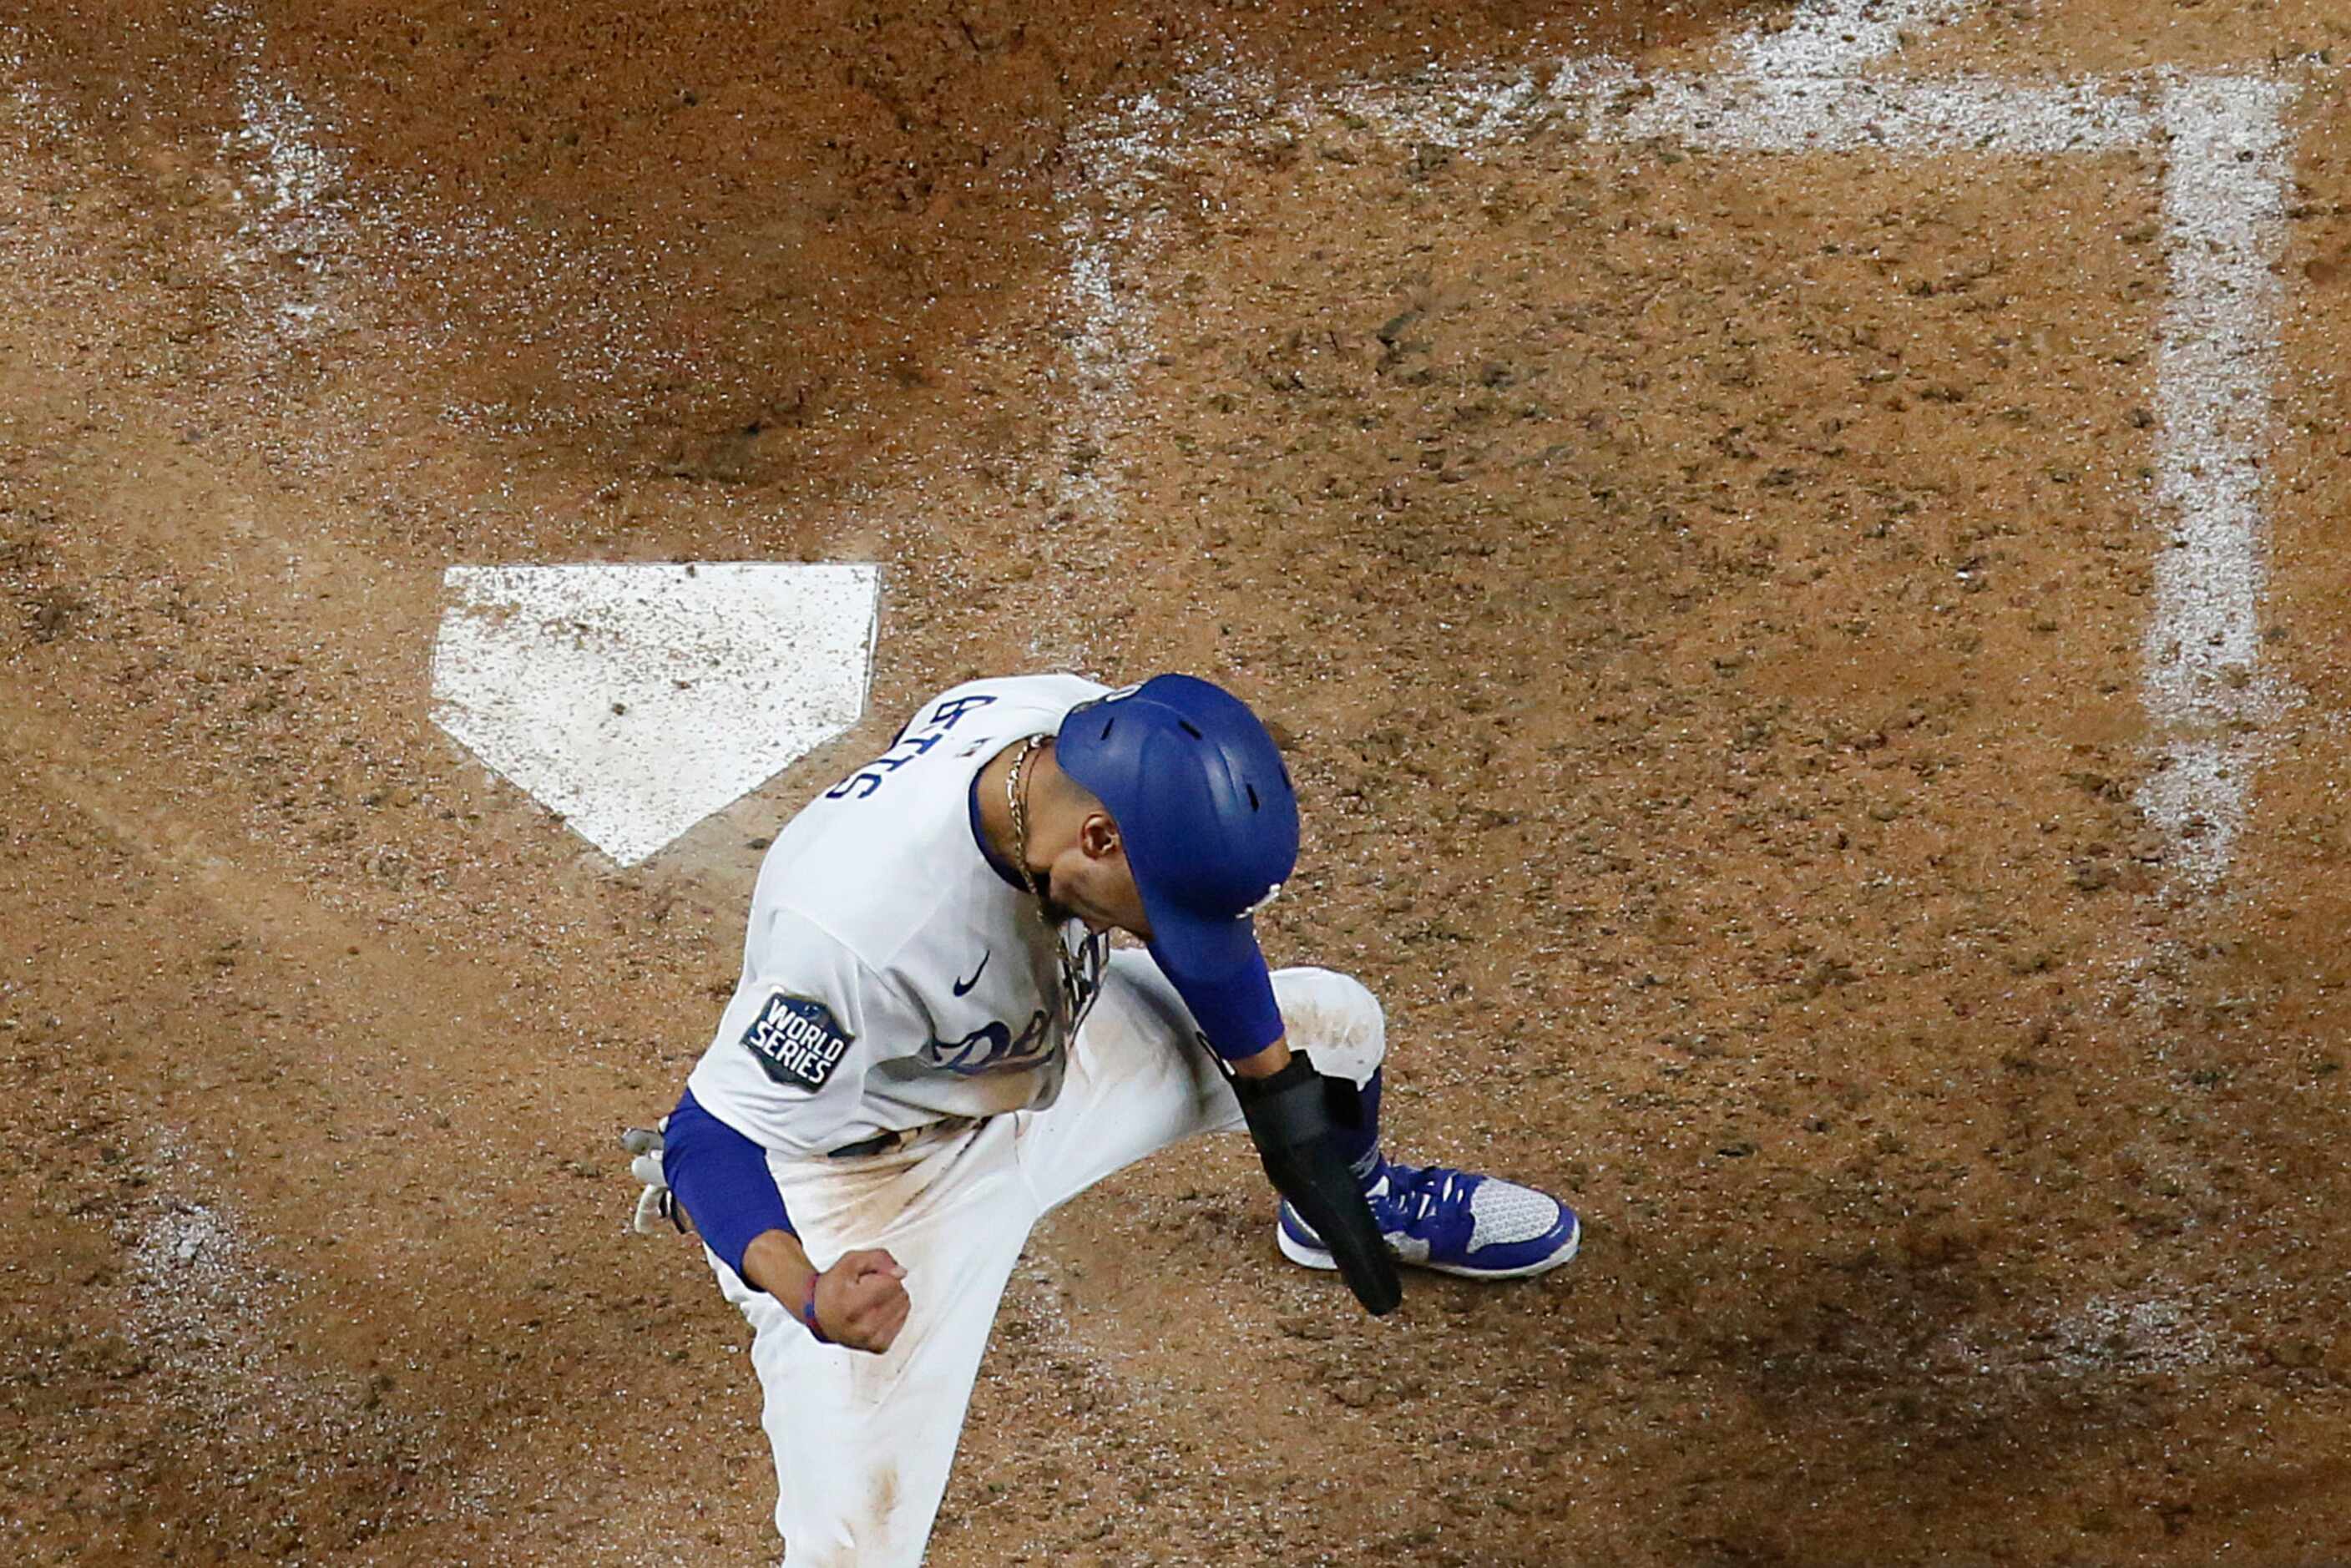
807	1313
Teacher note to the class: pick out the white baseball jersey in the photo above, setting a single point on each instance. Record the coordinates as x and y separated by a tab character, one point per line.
892	975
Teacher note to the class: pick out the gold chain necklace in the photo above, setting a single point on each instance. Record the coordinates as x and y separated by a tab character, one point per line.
1016	798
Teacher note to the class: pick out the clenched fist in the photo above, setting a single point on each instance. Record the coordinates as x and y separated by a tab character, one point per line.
861	1300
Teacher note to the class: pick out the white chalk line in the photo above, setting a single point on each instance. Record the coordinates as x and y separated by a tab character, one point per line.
294	207
1113	227
2224	213
1833	38
2227	164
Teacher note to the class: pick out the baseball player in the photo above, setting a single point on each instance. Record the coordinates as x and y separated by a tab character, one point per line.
933	1044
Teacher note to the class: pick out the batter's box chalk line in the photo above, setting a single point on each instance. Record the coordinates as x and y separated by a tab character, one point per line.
1802	88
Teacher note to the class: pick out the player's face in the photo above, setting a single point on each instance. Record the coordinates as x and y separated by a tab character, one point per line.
1092	882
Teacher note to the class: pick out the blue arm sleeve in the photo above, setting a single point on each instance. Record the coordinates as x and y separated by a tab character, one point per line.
721	1180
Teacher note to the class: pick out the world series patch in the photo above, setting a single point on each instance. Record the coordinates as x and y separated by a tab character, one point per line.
798	1041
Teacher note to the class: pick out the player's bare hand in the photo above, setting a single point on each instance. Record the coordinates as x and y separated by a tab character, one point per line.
861	1301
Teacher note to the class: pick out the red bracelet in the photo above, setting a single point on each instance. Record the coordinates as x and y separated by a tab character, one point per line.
807	1313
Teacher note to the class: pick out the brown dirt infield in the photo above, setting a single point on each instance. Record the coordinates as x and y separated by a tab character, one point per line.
1703	596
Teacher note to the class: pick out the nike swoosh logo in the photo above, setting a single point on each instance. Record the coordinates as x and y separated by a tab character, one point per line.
963	986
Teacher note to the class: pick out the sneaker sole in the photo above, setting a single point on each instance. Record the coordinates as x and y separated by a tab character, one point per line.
1308	1257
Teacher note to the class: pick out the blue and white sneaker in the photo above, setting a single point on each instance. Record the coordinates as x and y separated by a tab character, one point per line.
1479	1227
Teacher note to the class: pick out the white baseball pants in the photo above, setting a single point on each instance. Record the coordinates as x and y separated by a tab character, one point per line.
863	1442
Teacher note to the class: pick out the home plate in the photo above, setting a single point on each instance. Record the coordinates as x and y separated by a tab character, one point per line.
636	700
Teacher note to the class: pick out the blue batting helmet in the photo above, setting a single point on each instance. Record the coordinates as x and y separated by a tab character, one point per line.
1209	821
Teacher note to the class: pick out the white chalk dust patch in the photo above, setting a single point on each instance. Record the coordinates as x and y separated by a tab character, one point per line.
1109	238
205	1317
2111	1334
199	1299
635	700
201	1316
39	125
197	1295
2167	1335
2106	1339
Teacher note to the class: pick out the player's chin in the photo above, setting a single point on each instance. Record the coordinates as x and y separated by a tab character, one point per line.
1102	921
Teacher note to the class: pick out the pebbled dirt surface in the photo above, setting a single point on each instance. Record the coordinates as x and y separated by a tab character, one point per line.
1704	597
